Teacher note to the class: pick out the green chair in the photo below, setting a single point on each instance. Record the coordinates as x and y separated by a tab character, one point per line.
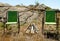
13	18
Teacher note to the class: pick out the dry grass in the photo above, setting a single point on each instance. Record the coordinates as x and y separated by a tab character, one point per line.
22	36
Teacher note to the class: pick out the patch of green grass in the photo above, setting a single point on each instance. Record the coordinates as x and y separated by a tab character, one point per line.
11	26
1	25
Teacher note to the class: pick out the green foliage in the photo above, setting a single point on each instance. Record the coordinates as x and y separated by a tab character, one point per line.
37	3
17	5
48	8
1	25
31	5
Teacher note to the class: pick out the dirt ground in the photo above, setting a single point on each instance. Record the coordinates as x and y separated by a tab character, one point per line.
22	36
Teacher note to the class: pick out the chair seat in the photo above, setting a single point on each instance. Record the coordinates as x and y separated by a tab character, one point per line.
11	23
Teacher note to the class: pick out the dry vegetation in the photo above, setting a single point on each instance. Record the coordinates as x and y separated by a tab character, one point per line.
27	15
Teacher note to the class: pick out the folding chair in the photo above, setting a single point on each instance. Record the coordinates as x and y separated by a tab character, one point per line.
50	18
13	18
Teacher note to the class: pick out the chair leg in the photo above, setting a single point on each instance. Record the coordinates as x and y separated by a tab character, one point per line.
18	28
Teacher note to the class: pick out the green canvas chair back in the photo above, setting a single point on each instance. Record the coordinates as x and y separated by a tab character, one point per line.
50	17
12	17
